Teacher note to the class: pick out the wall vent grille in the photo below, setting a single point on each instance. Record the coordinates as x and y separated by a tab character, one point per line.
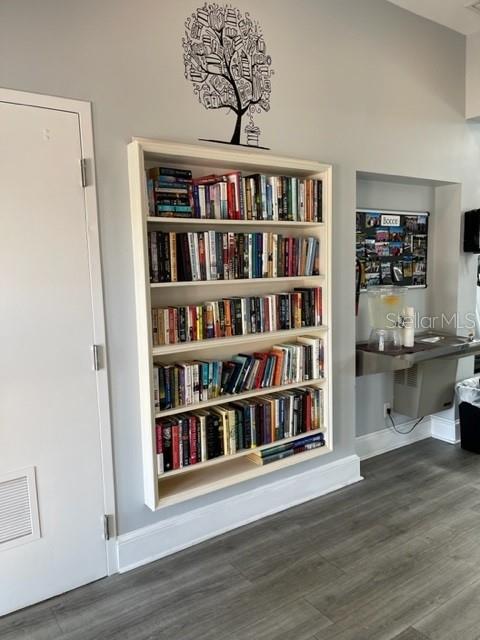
407	377
412	376
18	508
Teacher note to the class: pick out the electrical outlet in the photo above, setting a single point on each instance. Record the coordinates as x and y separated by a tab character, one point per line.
386	407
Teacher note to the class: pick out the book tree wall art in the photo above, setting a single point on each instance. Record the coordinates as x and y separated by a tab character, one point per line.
226	60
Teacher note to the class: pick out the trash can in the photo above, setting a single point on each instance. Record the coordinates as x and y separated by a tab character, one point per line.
468	398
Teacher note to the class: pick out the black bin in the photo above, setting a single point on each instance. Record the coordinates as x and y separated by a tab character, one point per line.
468	396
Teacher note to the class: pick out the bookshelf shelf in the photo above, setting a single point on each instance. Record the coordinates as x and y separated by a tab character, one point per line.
212	222
238	454
182	487
202	478
238	281
214	343
254	393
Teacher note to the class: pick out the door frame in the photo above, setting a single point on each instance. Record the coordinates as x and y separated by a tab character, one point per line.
84	111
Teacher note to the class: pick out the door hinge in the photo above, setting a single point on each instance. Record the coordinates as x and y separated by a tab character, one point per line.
108	526
83	171
96	357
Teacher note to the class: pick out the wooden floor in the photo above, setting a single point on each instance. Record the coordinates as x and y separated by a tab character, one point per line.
394	557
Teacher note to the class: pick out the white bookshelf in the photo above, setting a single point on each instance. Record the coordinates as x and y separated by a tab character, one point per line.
293	279
251	338
191	222
183	484
239	396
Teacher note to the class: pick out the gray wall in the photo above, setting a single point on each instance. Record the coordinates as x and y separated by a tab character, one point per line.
472	102
360	83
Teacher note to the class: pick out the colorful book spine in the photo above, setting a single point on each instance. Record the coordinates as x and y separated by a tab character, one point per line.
173	192
191	438
212	255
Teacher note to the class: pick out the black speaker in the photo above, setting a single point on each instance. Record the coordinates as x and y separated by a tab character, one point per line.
471	232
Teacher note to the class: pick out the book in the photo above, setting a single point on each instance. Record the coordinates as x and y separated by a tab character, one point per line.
214	255
314	363
237	316
159	448
173	192
273	458
169	192
191	438
272	454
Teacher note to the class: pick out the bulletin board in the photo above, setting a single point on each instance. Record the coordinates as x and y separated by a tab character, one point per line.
392	247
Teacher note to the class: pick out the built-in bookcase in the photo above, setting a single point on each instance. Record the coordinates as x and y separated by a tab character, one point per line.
204	477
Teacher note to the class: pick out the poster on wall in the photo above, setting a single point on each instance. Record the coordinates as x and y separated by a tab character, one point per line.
226	60
392	247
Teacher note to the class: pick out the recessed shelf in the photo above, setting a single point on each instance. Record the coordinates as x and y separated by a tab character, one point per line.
237	281
244	452
214	343
237	223
253	393
213	475
181	487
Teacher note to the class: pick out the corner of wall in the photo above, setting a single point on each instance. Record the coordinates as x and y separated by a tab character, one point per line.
378	442
447	430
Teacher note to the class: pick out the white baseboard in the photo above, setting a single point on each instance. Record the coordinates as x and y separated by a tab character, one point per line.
173	534
445	429
373	444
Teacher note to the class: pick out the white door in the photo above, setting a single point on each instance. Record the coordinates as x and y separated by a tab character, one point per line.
49	408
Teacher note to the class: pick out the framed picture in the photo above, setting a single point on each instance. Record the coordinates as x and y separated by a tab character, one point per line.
393	247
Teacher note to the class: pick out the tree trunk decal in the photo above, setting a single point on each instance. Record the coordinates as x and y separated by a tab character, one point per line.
226	60
237	131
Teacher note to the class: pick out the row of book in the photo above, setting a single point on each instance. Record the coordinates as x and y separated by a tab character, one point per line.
173	192
280	451
213	255
185	383
237	316
187	439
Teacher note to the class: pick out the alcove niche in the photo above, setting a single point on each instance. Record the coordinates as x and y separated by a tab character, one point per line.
442	200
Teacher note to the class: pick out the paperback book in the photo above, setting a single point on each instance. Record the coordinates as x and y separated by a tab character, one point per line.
191	382
190	438
213	255
232	196
237	316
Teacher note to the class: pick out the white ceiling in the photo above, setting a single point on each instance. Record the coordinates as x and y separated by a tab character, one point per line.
451	13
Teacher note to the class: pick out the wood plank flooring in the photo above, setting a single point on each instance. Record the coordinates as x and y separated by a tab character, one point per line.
396	557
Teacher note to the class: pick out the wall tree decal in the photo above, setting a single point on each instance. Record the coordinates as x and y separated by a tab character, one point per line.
226	60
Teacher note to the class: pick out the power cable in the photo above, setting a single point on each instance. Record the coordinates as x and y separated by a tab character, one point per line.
403	433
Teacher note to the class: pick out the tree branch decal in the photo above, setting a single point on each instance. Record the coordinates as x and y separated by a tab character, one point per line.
226	60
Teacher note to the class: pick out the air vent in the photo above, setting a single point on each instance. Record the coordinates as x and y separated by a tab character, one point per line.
412	376
18	508
473	6
407	377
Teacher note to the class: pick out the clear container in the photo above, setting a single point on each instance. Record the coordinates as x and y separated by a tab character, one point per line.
388	340
385	306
